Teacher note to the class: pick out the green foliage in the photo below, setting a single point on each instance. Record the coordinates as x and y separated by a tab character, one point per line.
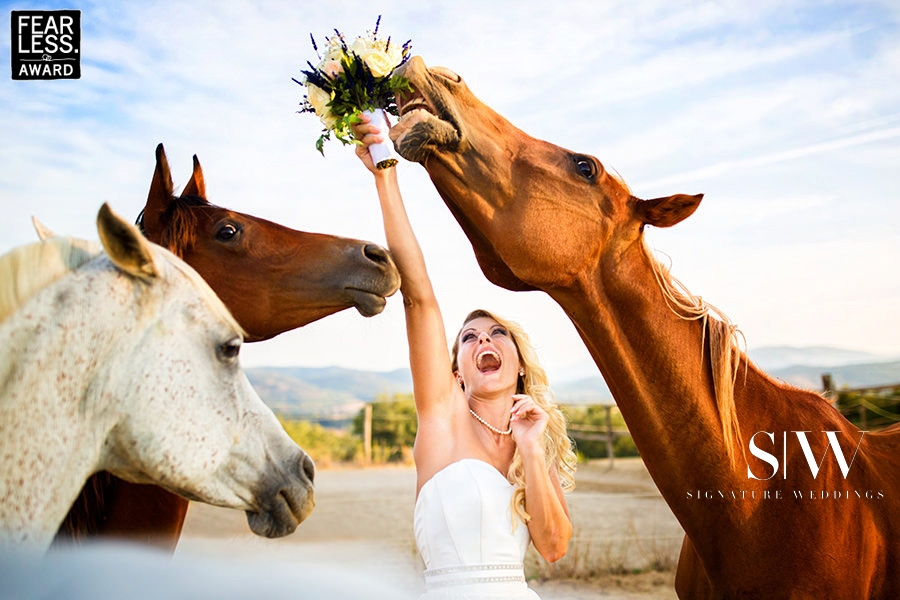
394	433
393	427
593	419
870	410
324	446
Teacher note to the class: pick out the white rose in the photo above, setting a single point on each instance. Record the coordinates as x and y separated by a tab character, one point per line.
395	53
361	45
319	99
372	53
328	120
378	61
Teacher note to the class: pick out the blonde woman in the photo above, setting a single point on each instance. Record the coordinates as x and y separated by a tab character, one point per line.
492	455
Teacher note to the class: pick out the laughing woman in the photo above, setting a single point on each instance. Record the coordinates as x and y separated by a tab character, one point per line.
492	454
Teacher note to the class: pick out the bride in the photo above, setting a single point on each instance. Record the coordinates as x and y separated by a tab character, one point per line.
492	455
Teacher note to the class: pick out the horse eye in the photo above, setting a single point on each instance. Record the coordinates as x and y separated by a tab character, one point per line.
586	167
226	232
228	352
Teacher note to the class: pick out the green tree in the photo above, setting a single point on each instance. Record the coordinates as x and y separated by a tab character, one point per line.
323	445
870	409
593	417
393	425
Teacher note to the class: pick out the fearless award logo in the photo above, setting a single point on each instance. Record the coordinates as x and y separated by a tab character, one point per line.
46	44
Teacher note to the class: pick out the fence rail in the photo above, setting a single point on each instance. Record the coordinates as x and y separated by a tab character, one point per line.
863	409
606	434
868	415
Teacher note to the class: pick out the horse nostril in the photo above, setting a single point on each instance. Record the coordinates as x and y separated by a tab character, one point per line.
308	467
376	254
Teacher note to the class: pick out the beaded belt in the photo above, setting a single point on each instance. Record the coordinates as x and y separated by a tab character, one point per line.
469	574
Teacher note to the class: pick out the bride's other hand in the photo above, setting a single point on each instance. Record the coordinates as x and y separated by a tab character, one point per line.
528	422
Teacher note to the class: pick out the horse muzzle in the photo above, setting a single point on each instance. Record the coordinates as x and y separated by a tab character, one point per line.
283	507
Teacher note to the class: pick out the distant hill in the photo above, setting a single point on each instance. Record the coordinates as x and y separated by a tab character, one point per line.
771	358
593	390
844	376
324	392
334	392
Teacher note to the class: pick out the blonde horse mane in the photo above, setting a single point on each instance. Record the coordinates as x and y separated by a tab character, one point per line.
27	269
724	349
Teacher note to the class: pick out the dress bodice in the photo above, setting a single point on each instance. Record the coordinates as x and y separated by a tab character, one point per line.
464	532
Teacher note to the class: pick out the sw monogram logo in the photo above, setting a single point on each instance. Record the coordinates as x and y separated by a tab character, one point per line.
814	466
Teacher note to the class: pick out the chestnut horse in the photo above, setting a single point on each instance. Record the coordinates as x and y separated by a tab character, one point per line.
810	514
89	341
272	279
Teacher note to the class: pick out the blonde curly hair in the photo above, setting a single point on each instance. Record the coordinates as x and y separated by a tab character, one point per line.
559	450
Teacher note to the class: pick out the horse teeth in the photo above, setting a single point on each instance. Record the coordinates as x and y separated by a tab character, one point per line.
414	106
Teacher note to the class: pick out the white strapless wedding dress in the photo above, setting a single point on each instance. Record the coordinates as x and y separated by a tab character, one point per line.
463	527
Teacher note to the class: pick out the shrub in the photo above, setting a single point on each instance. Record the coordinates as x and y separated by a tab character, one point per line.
324	446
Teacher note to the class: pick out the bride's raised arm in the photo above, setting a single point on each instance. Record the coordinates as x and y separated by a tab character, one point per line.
429	357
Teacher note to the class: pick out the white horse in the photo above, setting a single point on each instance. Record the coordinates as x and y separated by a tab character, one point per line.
126	361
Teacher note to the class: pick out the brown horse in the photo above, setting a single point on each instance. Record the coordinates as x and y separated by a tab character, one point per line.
272	279
810	514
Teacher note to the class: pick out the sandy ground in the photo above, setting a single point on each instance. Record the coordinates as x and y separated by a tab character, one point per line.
625	544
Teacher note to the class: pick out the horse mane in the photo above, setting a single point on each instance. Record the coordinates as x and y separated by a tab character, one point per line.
86	516
178	234
724	349
27	269
179	224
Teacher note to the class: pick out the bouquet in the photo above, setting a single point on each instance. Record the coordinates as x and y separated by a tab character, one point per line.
353	78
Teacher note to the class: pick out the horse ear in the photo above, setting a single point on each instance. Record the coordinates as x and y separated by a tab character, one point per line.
161	195
667	211
126	247
42	230
196	186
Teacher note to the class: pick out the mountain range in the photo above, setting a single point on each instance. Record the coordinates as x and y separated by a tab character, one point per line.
335	392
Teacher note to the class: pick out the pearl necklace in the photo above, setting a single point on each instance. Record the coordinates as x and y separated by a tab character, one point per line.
489	426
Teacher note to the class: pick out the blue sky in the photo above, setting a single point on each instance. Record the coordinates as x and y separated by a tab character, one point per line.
786	115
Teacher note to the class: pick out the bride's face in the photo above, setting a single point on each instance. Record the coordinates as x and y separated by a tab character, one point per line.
488	360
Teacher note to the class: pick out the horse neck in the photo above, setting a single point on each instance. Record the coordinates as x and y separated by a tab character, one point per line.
658	368
50	406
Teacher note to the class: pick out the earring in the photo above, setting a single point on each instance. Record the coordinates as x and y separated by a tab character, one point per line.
459	381
521	372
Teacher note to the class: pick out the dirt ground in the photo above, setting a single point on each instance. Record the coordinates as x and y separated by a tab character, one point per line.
625	545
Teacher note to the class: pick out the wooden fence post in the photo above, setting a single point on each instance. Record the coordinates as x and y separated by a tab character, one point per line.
828	388
610	451
367	434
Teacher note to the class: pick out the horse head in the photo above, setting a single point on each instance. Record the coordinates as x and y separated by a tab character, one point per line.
537	215
545	217
209	437
271	277
134	370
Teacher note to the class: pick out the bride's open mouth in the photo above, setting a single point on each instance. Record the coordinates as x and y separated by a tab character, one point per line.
488	361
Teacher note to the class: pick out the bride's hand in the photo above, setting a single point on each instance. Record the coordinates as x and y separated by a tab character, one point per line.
368	134
528	422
